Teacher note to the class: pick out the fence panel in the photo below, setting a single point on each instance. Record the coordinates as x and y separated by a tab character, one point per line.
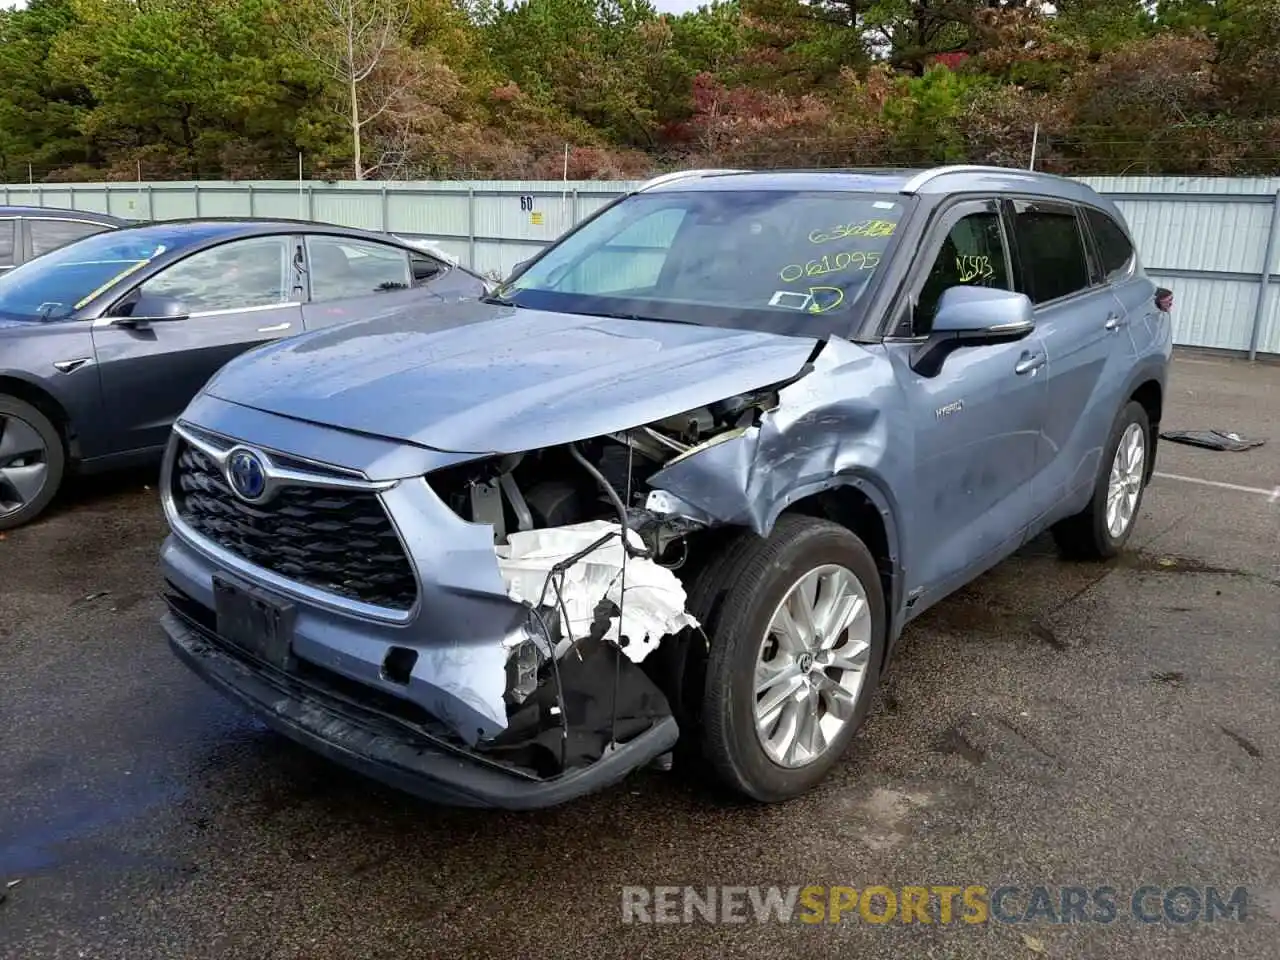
1206	238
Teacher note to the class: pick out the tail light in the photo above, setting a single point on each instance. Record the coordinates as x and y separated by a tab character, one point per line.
1164	299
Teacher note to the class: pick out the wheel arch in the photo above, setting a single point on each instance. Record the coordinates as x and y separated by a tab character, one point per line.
862	507
1150	395
46	403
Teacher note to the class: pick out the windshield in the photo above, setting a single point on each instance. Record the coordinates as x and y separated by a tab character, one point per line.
777	261
53	286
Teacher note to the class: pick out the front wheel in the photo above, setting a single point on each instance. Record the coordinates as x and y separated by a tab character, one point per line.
32	461
1101	530
795	653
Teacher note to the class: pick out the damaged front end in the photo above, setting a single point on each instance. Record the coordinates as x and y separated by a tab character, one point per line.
594	552
527	659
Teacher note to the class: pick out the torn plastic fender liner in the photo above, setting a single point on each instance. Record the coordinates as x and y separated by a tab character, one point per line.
814	439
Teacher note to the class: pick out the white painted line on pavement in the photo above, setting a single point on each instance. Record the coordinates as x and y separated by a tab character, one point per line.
1272	495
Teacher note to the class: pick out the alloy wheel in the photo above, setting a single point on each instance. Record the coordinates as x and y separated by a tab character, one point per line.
811	665
24	464
1125	483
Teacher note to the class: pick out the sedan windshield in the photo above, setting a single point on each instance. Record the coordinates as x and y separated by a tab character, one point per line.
776	261
53	286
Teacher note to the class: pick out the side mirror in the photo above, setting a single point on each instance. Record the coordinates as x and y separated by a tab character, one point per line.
973	317
149	309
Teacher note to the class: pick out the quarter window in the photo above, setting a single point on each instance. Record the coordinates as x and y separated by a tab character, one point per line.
1053	254
342	268
1114	248
234	276
972	255
48	235
424	268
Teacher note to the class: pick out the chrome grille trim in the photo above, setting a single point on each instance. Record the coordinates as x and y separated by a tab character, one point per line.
216	448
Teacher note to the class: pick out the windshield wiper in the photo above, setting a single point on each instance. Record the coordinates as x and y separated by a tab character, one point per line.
639	317
498	301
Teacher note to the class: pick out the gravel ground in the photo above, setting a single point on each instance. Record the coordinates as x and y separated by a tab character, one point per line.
1053	724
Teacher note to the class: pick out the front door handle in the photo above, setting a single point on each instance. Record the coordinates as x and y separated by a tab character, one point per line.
276	328
1114	322
1030	363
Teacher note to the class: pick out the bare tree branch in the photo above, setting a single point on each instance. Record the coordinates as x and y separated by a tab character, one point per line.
352	42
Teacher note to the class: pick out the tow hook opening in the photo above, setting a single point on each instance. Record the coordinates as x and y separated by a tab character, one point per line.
398	664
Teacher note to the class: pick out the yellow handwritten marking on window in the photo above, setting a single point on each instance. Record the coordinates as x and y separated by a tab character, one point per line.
971	268
822	305
865	228
845	260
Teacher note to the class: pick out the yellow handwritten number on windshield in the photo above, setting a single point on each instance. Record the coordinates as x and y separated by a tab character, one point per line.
845	260
867	228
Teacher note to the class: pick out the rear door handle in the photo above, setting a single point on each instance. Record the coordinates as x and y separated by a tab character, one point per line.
1030	363
1114	322
276	328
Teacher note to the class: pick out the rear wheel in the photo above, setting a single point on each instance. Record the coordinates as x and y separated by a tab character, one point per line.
795	652
32	461
1101	530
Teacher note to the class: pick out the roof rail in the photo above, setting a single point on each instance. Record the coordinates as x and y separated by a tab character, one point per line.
924	176
684	175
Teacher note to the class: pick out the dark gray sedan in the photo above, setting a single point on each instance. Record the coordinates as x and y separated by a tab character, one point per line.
30	232
104	341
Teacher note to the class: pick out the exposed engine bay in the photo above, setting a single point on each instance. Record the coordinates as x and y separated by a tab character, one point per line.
595	479
589	547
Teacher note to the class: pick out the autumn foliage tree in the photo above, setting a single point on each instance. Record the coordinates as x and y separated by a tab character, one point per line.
500	88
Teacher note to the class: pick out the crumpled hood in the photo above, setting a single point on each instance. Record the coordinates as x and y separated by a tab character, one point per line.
475	377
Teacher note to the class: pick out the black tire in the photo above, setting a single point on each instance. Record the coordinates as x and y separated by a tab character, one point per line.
755	577
53	456
1085	536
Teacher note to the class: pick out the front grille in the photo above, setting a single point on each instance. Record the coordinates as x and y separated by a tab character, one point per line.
338	541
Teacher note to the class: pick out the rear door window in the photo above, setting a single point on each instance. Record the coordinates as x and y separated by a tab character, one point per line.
1055	263
342	268
48	235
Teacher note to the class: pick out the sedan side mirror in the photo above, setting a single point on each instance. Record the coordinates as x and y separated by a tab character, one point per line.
149	309
973	317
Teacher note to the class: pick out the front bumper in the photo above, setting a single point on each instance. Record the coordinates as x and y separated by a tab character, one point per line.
391	750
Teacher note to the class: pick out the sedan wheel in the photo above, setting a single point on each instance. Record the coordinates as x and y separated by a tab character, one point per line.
31	462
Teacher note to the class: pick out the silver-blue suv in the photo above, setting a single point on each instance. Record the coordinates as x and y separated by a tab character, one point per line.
684	477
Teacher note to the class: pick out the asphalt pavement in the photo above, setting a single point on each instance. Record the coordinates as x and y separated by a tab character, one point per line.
1054	725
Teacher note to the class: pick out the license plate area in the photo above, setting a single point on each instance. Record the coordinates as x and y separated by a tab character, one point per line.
259	623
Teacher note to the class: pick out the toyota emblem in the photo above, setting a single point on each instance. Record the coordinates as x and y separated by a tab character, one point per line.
247	475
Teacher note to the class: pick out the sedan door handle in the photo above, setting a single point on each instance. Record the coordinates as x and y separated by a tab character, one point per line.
1114	322
276	328
1030	363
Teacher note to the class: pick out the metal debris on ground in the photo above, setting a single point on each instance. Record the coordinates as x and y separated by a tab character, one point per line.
1212	439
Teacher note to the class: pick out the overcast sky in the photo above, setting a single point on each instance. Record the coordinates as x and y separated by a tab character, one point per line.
676	6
